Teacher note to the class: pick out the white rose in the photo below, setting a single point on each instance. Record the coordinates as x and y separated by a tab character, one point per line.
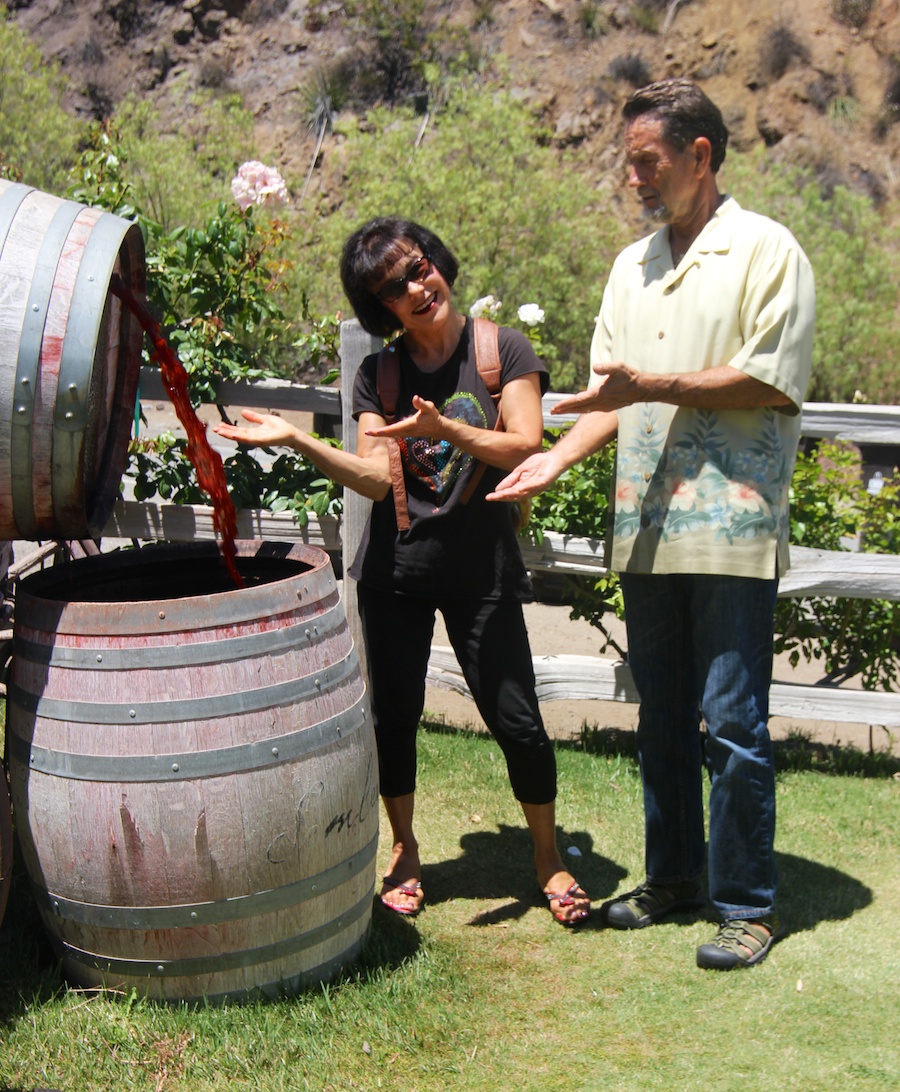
531	314
485	307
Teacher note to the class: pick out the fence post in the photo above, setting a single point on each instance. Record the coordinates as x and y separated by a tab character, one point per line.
356	344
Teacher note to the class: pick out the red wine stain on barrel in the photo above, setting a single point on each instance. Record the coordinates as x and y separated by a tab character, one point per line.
207	462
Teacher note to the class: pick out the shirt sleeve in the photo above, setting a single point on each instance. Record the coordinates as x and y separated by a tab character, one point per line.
778	316
365	388
518	358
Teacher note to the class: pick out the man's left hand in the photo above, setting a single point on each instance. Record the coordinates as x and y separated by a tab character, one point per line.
619	387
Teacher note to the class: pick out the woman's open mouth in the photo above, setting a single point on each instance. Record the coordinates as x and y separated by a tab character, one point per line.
427	305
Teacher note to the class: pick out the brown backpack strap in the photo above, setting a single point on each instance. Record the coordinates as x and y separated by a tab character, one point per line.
487	355
387	381
387	385
487	360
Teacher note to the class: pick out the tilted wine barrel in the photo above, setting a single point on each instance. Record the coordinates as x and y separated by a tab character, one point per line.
70	358
193	770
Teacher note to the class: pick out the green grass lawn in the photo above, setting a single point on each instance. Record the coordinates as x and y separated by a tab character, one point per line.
484	990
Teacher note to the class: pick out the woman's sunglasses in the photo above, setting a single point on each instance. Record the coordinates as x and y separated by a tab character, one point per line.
396	289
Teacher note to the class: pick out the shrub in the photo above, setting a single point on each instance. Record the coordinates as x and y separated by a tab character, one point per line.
593	20
780	47
849	637
179	171
392	43
890	105
37	137
852	13
645	14
630	68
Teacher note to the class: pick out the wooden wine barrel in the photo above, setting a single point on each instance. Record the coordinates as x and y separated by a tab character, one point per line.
70	359
193	770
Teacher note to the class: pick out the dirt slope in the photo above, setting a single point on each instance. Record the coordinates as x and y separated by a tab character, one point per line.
777	69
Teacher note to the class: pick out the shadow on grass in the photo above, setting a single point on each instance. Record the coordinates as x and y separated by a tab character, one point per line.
797	753
811	892
496	864
499	865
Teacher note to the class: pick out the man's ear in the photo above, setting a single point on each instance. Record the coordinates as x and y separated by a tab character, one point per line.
702	150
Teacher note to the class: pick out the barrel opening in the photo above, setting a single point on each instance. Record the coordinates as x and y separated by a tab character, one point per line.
167	572
163	581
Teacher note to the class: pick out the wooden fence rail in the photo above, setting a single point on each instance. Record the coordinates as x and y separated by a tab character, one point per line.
814	572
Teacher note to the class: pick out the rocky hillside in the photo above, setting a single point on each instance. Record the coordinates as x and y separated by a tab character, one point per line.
816	80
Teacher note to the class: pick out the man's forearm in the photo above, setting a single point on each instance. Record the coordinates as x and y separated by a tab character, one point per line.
589	434
721	388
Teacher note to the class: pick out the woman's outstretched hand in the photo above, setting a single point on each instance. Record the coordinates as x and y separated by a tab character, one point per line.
424	422
271	431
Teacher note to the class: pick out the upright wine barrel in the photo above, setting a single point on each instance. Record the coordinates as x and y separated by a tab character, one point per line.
70	358
193	770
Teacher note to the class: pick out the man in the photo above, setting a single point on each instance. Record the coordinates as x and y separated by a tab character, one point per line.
700	359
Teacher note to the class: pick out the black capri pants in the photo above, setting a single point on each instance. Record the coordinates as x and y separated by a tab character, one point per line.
491	644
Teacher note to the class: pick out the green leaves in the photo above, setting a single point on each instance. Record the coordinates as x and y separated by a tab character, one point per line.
830	502
160	467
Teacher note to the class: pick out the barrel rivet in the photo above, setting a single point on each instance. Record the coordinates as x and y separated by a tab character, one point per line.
69	415
73	388
99	658
25	380
55	905
193	915
159	966
20	409
318	684
313	887
90	278
132	713
162	614
35	307
174	767
307	634
275	751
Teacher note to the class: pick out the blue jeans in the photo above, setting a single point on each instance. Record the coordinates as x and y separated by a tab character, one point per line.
701	647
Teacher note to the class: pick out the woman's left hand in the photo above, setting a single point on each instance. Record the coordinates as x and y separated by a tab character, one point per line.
424	422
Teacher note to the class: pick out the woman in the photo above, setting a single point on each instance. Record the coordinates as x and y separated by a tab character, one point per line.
459	554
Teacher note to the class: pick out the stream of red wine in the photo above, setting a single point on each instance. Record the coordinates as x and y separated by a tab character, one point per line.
207	462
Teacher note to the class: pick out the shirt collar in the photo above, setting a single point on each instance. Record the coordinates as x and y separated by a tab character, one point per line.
715	238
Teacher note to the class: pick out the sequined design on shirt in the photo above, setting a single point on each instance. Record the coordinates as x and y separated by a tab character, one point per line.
438	462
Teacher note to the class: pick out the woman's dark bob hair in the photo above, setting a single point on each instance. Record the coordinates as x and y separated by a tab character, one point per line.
368	255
